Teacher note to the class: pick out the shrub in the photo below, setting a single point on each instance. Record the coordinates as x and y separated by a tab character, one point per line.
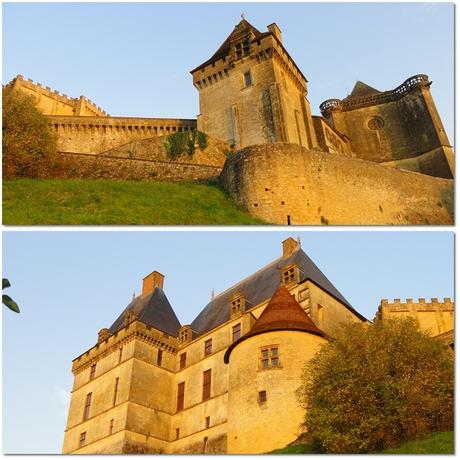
29	147
375	387
185	142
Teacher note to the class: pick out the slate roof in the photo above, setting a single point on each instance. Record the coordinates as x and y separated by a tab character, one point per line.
283	313
260	287
362	89
154	310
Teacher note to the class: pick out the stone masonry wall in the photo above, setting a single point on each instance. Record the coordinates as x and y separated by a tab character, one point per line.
285	183
81	166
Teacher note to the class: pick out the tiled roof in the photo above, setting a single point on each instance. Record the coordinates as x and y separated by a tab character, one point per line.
154	310
283	313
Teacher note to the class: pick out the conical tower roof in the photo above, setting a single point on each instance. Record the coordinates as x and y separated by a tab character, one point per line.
283	313
153	310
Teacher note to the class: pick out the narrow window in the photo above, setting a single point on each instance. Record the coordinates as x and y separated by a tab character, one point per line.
111	426
120	354
208	422
205	443
245	47
83	439
115	391
180	396
208	347
183	360
247	78
87	406
320	312
93	372
236	332
159	357
262	396
206	384
177	433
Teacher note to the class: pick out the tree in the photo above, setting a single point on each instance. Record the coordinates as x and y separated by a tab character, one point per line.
29	146
375	387
6	299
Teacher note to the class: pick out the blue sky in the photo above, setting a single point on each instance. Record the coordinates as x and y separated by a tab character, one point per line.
134	59
70	284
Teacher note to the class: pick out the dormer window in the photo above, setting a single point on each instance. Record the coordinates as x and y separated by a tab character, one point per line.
237	305
185	334
129	317
102	335
242	49
290	275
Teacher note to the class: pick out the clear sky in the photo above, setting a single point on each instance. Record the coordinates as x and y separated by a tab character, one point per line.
134	59
69	285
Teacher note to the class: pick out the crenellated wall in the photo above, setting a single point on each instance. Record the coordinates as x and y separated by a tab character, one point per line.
54	103
93	135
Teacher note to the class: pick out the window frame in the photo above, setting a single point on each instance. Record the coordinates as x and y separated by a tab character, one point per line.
159	357
236	331
180	396
82	441
183	360
269	357
87	409
207	381
208	347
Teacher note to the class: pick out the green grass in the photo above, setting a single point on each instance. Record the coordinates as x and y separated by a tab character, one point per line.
110	202
435	444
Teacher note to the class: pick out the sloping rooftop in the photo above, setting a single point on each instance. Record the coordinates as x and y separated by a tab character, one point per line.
283	313
362	89
154	310
260	287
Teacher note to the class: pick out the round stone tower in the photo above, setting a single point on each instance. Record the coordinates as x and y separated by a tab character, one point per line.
265	370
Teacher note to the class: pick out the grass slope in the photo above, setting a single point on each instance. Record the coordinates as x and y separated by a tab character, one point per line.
109	202
436	444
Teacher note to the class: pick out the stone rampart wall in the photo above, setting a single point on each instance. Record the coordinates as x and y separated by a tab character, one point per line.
93	135
285	183
82	166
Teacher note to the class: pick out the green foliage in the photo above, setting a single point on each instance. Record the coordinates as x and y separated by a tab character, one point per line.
6	299
179	143
29	147
375	387
111	202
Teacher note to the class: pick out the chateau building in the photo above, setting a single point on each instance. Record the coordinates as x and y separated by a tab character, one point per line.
224	383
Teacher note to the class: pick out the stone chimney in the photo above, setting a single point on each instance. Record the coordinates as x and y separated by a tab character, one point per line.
276	31
152	281
289	246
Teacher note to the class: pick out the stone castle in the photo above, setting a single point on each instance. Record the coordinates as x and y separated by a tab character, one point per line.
226	382
253	96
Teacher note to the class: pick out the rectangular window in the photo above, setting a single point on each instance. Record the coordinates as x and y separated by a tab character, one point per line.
83	439
206	384
111	426
269	357
92	374
177	433
180	396
208	347
236	332
289	276
115	391
159	357
247	78
120	354
262	396
183	360
87	406
208	422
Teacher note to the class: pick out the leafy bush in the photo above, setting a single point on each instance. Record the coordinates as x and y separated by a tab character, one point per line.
185	142
375	387
29	147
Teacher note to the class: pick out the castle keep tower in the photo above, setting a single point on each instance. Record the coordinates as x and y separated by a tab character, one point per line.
252	92
399	128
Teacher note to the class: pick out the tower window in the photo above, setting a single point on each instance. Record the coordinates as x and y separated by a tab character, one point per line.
183	360
87	406
208	347
92	374
115	391
236	332
290	274
262	396
247	78
177	433
83	439
206	384
269	357
120	355
180	396
159	357
111	426
320	312
207	422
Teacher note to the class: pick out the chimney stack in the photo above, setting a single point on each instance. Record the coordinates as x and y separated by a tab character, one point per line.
289	246
152	281
276	31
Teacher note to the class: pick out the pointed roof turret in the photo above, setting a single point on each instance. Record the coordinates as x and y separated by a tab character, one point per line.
283	313
362	89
